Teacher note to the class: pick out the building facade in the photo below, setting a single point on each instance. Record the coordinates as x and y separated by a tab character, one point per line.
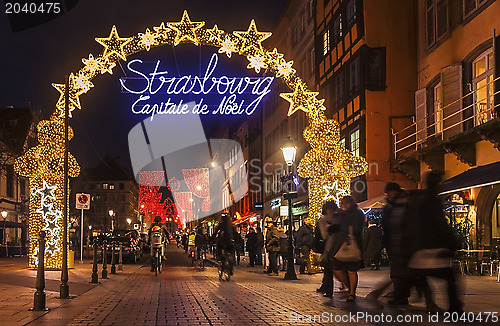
456	124
365	63
111	187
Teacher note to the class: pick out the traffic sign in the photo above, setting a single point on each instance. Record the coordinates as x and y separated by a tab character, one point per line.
82	201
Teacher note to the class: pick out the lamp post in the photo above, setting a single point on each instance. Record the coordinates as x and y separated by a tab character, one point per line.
111	213
289	150
4	215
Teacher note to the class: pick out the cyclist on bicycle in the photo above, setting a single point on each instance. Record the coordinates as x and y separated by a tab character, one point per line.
158	229
225	235
200	242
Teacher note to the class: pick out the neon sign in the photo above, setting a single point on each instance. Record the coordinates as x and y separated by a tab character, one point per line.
240	95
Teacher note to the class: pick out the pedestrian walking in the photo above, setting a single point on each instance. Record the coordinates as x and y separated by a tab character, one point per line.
272	246
283	238
251	246
239	247
373	245
259	246
433	241
304	241
321	235
348	233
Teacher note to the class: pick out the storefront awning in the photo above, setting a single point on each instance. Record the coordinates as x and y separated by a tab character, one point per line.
375	202
480	176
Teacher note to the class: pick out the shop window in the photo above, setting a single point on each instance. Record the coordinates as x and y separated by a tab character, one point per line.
355	142
436	21
482	84
337	29
326	42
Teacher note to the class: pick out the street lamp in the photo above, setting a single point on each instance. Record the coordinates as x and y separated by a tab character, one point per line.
111	214
129	221
289	150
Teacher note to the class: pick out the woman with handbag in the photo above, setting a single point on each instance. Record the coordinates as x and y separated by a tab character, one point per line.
347	255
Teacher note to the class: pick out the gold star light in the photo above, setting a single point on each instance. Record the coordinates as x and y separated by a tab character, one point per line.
148	39
161	31
285	68
274	57
113	44
74	93
299	99
216	35
186	30
252	39
93	65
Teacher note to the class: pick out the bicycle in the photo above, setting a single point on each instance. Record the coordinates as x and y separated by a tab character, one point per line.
203	257
225	265
157	261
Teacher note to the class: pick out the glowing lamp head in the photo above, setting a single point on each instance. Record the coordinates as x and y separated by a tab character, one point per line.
214	164
129	221
4	214
111	212
289	150
198	187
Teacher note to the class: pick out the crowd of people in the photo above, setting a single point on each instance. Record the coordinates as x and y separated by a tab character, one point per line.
413	230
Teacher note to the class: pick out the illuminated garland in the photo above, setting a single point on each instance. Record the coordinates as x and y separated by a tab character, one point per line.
323	165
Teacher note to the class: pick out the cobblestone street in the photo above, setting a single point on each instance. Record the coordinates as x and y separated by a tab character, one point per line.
185	295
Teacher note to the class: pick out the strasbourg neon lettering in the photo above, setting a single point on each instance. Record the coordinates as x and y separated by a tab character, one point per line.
235	91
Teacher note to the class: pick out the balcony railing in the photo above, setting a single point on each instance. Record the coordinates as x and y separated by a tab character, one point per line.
437	127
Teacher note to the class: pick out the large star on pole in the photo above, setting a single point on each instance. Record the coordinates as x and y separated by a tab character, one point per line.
74	93
186	29
299	99
113	44
252	38
334	193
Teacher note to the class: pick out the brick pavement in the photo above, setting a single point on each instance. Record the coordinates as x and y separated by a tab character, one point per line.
184	295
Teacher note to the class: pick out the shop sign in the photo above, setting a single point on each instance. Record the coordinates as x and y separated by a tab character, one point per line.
275	203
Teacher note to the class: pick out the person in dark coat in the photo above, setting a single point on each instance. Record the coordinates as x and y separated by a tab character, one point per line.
251	238
350	218
259	245
272	246
328	217
433	241
373	245
283	237
304	241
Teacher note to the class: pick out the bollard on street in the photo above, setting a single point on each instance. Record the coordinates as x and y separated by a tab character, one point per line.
95	276
104	260
120	258
39	297
113	266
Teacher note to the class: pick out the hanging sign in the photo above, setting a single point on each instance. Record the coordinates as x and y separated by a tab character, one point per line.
158	92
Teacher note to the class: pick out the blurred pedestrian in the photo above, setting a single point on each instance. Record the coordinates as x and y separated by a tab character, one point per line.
433	240
259	246
272	246
373	245
304	241
351	221
251	246
321	236
239	246
283	237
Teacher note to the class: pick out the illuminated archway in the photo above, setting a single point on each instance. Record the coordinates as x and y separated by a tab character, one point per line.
328	166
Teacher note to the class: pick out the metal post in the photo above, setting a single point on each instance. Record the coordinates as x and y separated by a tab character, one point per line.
113	266
64	288
104	259
95	276
120	258
81	239
39	298
290	264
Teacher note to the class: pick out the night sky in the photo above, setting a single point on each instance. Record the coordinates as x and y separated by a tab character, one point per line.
34	58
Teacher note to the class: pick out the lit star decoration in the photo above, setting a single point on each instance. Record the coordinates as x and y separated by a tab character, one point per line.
251	39
147	39
228	47
334	193
324	164
256	63
299	99
113	44
186	30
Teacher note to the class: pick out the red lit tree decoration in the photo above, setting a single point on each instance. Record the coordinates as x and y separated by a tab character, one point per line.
197	181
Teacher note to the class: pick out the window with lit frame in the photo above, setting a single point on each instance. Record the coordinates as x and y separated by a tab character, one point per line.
482	83
326	42
354	137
